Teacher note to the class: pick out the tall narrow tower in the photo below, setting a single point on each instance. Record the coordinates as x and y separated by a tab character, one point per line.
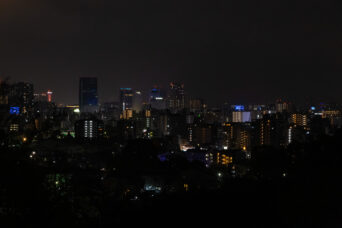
88	98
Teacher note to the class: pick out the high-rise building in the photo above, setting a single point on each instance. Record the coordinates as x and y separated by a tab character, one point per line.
89	129
157	100
42	97
196	105
237	136
127	114
271	130
126	98
242	137
155	93
4	92
176	98
88	97
283	106
137	101
22	95
299	119
241	117
227	136
110	111
162	125
49	95
266	131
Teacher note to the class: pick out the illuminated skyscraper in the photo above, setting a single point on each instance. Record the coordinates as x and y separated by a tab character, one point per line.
49	95
282	106
88	98
299	119
157	99
239	115
22	95
155	93
41	97
126	98
137	101
176	98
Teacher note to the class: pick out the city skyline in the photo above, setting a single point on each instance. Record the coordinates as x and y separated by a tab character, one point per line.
243	52
150	112
145	93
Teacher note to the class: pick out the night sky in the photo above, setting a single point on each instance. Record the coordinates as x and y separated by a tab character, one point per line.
237	51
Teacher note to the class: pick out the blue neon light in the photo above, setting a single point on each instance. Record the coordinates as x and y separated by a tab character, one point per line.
239	107
14	110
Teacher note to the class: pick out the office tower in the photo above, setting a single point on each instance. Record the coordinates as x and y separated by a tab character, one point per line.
176	98
126	98
43	97
157	100
137	101
4	92
49	95
196	105
110	111
88	97
22	95
155	93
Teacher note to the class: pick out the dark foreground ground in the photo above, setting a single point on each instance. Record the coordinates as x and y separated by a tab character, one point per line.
309	195
242	205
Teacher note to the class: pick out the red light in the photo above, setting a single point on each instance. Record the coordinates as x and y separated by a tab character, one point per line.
49	93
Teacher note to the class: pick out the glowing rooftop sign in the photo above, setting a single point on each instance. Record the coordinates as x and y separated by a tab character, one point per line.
239	107
14	110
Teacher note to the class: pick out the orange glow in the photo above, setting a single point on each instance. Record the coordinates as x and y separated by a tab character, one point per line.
186	187
49	94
